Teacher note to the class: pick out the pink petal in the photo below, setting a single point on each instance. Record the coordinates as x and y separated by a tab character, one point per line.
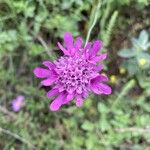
41	73
99	67
98	58
87	49
68	40
52	92
48	64
78	43
66	52
79	101
95	81
61	89
94	75
79	90
69	98
72	51
98	87
18	103
95	89
88	46
105	89
102	78
95	48
49	81
87	55
20	98
56	104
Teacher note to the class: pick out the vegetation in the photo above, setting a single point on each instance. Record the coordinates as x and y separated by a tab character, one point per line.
29	31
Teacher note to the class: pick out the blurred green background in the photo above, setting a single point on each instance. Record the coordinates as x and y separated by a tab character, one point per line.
29	31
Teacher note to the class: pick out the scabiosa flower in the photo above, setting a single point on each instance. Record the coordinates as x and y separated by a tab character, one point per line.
74	75
18	103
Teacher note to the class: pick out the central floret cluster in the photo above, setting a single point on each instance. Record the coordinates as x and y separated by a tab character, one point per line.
75	74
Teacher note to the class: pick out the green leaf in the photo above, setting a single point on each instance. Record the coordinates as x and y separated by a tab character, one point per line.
88	126
145	56
132	66
30	11
143	37
104	123
102	108
136	44
126	53
147	46
35	49
142	42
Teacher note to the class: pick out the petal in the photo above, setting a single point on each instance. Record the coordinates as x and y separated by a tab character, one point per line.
52	92
99	67
78	43
98	58
17	103
94	75
79	90
88	46
68	40
100	78
95	80
48	82
95	89
105	89
69	98
16	108
86	54
79	101
61	89
98	87
56	104
95	86
103	78
95	48
49	64
72	51
53	73
86	50
41	73
20	98
63	49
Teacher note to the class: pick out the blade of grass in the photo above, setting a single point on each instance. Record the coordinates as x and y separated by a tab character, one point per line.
16	136
94	22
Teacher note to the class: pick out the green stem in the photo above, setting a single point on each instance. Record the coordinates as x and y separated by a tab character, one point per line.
94	22
128	86
17	137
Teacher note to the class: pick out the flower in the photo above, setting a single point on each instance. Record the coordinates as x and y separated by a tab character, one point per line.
18	103
75	74
122	70
142	62
113	79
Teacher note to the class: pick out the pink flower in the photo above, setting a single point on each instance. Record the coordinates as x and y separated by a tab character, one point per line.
17	103
74	75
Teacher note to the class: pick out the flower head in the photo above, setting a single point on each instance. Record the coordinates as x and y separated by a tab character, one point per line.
75	74
142	62
122	70
18	103
113	79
